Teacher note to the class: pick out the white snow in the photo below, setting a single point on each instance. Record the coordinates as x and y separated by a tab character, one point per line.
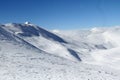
39	56
27	22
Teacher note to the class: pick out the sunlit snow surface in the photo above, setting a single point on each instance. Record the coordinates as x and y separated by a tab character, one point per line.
103	44
28	52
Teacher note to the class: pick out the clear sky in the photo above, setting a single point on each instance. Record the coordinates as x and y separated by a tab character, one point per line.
61	14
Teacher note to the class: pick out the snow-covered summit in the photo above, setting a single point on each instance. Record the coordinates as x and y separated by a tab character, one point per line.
42	39
31	30
27	22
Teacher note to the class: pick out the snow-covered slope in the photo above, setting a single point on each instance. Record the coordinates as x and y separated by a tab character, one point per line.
98	45
42	39
28	52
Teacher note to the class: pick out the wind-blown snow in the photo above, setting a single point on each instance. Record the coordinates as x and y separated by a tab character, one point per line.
29	52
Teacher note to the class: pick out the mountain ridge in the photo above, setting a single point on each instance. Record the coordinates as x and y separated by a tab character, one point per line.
23	31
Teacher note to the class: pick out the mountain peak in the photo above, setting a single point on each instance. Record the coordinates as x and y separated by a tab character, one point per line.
28	30
27	22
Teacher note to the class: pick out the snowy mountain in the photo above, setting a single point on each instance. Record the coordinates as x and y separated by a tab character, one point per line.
29	52
102	44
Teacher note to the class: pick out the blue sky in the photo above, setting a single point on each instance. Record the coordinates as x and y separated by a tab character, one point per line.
62	14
